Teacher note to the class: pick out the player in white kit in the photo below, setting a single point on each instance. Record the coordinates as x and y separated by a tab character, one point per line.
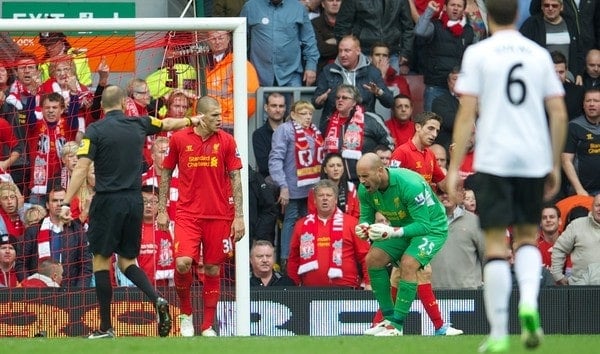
507	80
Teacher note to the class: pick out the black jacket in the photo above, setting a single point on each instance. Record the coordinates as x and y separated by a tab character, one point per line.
586	19
441	50
261	143
534	28
574	99
75	256
334	75
324	32
446	107
277	279
387	21
589	82
263	209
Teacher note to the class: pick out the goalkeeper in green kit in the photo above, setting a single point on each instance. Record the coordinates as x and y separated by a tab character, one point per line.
417	231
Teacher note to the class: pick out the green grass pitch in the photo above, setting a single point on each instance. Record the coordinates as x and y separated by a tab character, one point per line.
559	344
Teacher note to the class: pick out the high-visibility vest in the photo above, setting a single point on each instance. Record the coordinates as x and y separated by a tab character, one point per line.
160	82
219	84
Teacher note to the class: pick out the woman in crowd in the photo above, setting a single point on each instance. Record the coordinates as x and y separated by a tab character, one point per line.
333	169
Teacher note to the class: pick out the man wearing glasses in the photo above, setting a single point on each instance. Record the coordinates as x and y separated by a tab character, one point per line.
551	30
138	98
22	99
351	131
156	251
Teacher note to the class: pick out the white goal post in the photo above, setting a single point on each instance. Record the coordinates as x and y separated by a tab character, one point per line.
238	27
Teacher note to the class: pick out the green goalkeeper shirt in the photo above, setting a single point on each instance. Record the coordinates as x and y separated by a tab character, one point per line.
408	202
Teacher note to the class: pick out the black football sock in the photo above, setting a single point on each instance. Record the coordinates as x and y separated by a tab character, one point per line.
104	295
139	278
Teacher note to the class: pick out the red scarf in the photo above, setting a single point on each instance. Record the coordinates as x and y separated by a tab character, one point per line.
51	85
308	162
455	27
14	98
43	239
13	228
352	141
133	109
308	245
49	141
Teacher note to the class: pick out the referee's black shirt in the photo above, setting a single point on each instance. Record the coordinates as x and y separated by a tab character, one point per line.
116	144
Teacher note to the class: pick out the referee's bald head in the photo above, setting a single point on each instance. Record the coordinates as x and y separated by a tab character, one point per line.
113	98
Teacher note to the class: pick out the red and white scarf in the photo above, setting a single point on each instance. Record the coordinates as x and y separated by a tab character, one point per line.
51	85
41	280
14	98
454	26
308	161
14	95
353	139
132	109
309	249
50	140
43	239
13	227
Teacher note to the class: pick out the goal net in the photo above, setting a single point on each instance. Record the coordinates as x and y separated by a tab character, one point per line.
173	58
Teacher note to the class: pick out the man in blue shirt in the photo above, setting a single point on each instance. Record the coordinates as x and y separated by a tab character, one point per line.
277	29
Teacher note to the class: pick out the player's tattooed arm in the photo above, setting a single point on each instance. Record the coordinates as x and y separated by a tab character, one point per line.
163	189
162	220
236	185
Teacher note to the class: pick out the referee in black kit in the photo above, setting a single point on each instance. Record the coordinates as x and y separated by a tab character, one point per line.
115	145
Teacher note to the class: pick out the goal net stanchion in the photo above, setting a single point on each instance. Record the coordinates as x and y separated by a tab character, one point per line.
148	32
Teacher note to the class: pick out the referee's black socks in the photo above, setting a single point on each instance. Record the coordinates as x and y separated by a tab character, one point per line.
104	295
140	279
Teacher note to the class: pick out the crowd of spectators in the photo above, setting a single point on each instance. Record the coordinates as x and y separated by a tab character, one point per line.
428	39
356	54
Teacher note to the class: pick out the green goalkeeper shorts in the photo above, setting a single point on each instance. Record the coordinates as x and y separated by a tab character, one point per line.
422	248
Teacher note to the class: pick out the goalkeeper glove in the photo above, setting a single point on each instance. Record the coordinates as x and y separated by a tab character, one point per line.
362	231
379	232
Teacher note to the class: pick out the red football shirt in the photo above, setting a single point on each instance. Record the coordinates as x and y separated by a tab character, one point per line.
423	162
401	132
204	165
546	252
156	254
354	251
466	168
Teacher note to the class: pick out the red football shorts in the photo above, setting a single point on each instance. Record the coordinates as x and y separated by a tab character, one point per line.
208	238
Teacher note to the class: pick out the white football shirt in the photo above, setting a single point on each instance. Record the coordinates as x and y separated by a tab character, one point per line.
511	76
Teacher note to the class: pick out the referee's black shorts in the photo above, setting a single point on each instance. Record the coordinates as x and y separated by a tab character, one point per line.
116	223
505	201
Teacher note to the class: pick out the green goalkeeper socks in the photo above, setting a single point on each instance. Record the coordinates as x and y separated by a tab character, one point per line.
406	294
380	282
